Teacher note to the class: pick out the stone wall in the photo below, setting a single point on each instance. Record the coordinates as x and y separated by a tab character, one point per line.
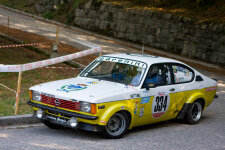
205	41
46	5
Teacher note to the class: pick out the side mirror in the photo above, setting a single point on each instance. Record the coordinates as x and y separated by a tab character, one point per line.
150	85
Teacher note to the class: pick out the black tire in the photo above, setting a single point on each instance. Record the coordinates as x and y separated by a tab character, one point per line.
51	125
117	126
194	113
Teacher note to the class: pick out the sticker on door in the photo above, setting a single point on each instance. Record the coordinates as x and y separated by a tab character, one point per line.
160	104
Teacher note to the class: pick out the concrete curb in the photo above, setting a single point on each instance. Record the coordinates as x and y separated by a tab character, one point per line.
18	120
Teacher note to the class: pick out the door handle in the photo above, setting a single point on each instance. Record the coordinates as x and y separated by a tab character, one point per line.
173	89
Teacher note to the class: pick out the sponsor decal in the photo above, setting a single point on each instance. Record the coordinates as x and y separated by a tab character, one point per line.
58	119
103	121
145	100
123	61
141	112
122	107
51	117
61	120
162	93
93	82
135	107
135	96
211	89
72	87
160	104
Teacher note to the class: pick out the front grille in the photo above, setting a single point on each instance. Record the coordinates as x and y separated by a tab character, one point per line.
60	103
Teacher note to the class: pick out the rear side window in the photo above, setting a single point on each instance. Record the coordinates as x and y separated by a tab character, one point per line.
182	73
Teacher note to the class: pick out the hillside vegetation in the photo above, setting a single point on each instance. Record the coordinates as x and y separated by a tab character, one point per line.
201	10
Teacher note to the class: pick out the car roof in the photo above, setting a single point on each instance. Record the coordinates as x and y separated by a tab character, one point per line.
149	59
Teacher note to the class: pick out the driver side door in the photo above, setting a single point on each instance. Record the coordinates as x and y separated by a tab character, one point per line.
158	103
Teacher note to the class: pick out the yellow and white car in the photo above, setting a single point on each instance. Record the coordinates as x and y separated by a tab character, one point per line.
117	92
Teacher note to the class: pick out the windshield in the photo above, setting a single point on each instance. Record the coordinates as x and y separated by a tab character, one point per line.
117	70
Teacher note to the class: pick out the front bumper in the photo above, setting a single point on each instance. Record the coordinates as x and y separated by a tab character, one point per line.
65	121
62	112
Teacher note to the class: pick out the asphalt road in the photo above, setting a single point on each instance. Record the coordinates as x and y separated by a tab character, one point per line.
208	134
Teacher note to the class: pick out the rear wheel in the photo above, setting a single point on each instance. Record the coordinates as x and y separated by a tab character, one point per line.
117	125
51	125
194	113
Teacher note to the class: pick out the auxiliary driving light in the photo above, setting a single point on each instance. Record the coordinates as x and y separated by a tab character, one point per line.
73	122
40	113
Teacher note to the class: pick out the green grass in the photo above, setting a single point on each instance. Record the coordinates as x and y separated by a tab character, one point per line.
29	78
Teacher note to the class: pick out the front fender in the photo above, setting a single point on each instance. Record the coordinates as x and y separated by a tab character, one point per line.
112	110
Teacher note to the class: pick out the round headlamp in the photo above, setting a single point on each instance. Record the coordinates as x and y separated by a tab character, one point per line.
36	96
85	107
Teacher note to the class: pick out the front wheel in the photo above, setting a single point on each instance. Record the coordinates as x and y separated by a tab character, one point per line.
117	126
194	114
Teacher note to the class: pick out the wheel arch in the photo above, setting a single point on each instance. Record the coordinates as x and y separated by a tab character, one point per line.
196	96
128	115
114	109
187	105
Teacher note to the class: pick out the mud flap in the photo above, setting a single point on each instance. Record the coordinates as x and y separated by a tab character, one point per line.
183	111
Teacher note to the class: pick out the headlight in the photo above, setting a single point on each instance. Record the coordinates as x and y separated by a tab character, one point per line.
85	107
36	96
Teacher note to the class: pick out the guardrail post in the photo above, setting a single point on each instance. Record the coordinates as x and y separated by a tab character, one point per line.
57	35
8	27
18	93
55	44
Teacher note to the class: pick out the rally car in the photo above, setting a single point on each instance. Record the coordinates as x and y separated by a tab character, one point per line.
117	92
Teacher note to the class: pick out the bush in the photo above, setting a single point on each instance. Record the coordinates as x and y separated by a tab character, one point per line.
49	14
203	3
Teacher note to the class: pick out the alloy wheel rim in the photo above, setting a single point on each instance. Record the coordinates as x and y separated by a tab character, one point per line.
196	111
116	125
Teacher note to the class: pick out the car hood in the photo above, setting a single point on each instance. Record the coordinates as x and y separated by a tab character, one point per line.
86	89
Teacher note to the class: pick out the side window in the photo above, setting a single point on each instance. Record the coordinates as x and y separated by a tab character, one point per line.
182	74
158	74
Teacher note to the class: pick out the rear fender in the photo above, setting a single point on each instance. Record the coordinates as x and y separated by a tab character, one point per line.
195	96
